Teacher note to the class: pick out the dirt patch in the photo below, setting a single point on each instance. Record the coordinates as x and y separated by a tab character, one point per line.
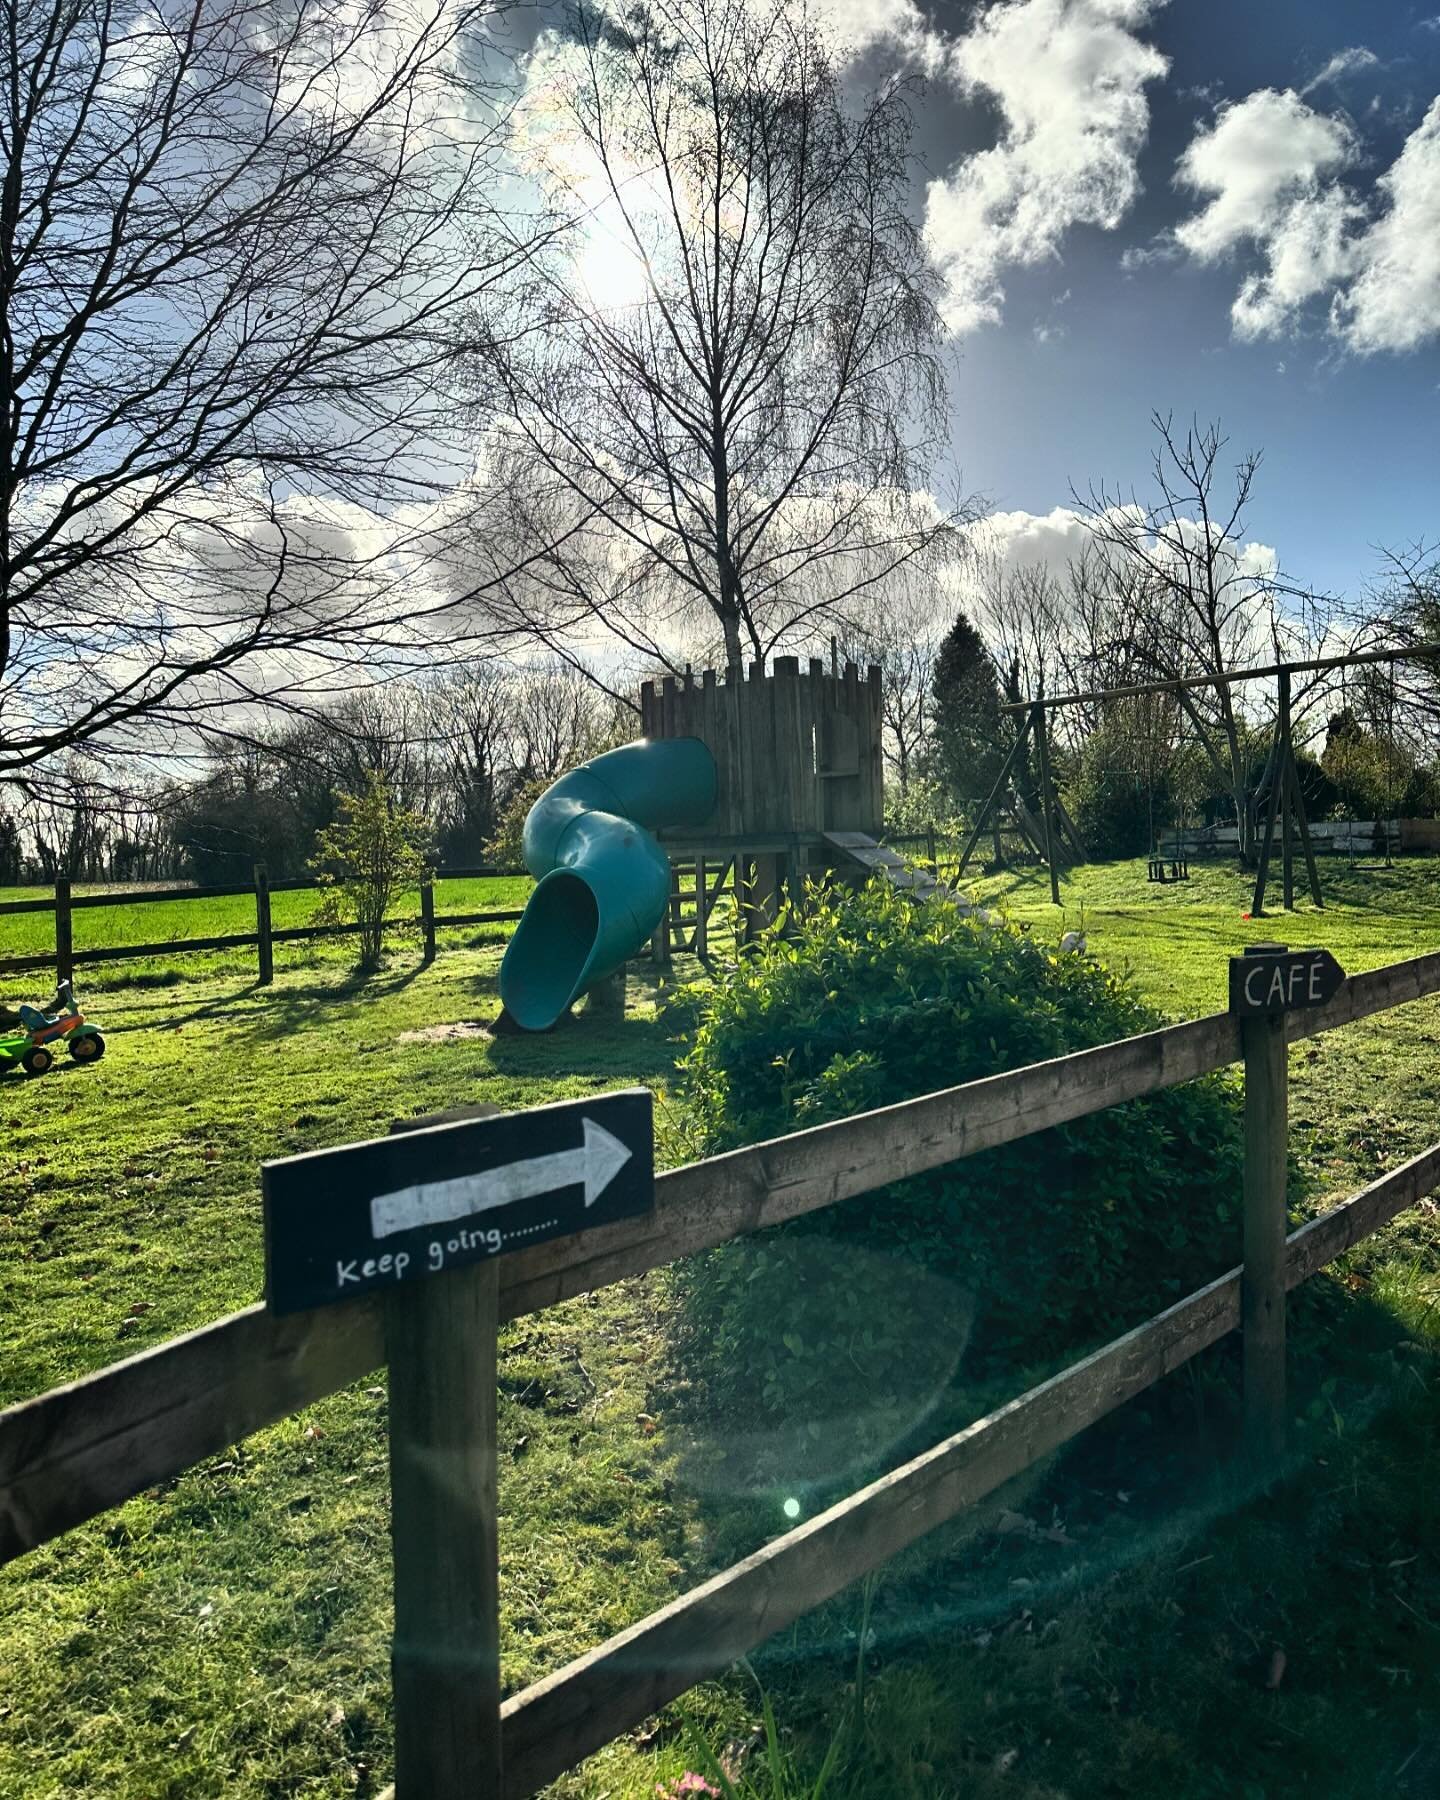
462	1031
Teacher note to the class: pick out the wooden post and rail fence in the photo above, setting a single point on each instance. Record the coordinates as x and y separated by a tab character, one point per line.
64	904
340	1303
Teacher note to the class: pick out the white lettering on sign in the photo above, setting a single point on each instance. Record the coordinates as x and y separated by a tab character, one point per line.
358	1271
438	1253
1317	968
593	1165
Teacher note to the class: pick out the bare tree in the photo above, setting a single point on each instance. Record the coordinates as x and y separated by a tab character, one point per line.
1199	604
721	389
1402	608
897	626
233	238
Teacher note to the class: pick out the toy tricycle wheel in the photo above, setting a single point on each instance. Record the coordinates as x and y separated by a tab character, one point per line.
89	1048
36	1060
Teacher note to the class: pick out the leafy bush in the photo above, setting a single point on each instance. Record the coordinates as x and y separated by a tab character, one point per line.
1048	1242
371	855
506	850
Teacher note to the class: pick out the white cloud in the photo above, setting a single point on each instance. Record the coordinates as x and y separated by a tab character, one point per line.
1270	169
1068	78
1014	541
1394	301
856	26
1342	63
1262	155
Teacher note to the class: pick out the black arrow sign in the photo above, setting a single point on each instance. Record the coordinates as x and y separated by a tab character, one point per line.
341	1222
1268	978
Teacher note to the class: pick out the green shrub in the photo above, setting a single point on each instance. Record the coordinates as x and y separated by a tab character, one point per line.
1058	1239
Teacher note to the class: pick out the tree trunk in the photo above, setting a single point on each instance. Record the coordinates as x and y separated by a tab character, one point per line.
734	650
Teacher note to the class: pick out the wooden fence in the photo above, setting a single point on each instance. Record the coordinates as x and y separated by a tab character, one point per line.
65	904
76	1451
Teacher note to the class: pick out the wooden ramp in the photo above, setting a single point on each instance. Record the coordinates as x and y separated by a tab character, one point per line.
879	861
916	879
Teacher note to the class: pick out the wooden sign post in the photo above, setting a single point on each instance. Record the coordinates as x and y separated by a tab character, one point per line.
1265	983
447	1202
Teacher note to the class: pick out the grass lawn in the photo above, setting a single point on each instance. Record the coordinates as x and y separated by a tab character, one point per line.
1112	1628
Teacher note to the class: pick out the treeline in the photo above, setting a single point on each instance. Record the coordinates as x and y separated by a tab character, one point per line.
468	750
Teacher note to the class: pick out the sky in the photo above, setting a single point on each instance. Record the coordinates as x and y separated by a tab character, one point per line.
1206	207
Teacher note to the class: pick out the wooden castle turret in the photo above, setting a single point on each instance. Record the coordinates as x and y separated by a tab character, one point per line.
797	749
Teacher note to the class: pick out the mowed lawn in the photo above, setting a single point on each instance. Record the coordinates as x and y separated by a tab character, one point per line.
227	1633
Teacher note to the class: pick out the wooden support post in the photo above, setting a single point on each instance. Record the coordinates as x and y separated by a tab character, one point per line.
702	911
1267	837
760	894
987	811
676	919
1310	866
64	935
427	914
606	998
440	1339
930	850
1263	1283
1285	772
265	949
1047	802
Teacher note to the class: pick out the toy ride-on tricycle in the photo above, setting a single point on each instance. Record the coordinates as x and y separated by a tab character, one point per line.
31	1036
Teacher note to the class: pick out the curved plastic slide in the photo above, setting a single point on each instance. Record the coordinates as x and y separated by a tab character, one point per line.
603	880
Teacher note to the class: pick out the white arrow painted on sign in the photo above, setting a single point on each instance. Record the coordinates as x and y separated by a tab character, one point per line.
594	1165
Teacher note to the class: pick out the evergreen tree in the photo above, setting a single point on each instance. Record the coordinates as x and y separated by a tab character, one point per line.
969	736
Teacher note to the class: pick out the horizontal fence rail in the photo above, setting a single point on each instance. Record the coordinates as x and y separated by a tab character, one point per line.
80	1449
223	891
65	958
288	934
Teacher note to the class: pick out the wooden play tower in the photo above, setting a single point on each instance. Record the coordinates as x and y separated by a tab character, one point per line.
801	787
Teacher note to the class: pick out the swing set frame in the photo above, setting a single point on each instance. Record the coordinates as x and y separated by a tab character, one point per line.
1285	804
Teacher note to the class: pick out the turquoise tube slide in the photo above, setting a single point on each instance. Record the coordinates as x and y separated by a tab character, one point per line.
603	880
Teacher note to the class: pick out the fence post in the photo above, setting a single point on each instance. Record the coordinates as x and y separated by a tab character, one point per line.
1267	1078
440	1341
64	941
427	913
262	925
930	850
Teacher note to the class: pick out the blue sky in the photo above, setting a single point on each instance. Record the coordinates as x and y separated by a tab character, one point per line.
1105	315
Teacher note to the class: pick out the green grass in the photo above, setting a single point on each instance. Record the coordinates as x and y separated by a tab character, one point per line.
226	1634
161	921
1176	937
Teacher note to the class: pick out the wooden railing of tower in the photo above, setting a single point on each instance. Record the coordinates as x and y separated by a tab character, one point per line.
797	750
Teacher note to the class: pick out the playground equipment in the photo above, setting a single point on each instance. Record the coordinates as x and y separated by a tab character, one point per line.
31	1036
1280	788
603	880
739	785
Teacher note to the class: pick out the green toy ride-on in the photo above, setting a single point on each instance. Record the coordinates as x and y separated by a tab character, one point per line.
32	1037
